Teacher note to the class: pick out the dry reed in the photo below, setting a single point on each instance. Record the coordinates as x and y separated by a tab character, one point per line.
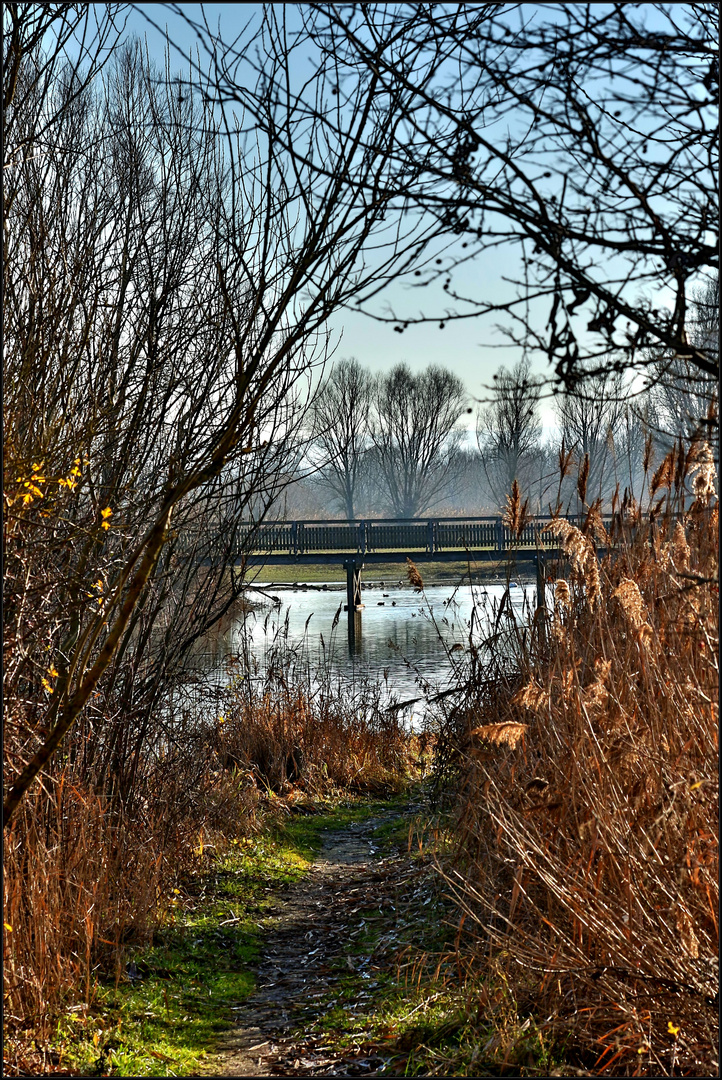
285	731
588	851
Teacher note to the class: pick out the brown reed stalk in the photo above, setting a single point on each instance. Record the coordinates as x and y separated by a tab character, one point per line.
587	851
414	576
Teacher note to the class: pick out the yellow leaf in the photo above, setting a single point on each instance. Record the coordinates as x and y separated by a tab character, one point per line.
100	599
672	1029
8	927
105	524
53	672
37	466
47	685
27	499
695	786
99	584
106	513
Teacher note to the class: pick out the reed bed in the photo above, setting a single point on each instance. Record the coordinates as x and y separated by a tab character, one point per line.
90	868
317	736
79	884
586	809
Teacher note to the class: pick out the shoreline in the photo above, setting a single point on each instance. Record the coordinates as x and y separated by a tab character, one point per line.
325	576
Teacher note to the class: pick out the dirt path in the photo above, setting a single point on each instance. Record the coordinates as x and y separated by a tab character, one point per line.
297	971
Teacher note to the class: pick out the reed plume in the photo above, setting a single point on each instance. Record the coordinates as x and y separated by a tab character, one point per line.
516	512
680	548
704	473
414	576
508	733
664	475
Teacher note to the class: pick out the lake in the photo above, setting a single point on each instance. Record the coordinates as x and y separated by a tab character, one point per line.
404	640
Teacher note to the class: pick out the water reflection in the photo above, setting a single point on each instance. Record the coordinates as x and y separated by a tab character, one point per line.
402	638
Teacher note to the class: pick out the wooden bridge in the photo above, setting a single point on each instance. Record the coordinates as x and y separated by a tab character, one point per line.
387	540
355	544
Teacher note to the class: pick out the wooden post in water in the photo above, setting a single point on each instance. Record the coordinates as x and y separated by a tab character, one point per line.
353	597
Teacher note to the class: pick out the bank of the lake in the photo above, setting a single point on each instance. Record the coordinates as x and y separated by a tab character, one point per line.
433	573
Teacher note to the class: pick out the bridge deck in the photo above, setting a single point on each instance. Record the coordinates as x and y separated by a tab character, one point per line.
386	540
368	557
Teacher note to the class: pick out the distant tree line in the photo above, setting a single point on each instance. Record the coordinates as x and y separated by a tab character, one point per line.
390	441
393	445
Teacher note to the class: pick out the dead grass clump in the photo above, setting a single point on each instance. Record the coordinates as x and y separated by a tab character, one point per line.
285	733
78	886
588	851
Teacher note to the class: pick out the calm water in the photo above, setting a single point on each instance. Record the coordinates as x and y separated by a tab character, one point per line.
403	640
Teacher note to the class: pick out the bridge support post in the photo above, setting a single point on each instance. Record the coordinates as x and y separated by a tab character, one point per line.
353	597
499	534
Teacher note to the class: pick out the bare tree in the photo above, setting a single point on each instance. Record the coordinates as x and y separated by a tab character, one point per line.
508	431
130	401
168	282
591	420
583	137
341	431
413	429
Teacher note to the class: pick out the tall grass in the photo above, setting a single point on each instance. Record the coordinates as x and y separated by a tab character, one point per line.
79	884
314	735
89	870
587	808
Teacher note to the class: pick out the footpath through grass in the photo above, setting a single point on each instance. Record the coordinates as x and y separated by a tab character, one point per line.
406	1001
401	1000
164	1013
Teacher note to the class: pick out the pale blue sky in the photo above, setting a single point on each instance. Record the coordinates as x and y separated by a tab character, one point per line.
461	346
472	348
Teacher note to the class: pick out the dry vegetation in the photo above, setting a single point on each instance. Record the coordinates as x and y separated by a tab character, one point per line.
287	734
587	815
87	875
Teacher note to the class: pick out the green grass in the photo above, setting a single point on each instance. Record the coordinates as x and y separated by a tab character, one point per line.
166	1021
390	573
303	834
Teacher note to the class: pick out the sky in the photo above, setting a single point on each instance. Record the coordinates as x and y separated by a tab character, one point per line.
469	347
472	348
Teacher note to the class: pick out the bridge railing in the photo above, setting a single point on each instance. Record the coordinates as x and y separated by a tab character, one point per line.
378	535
